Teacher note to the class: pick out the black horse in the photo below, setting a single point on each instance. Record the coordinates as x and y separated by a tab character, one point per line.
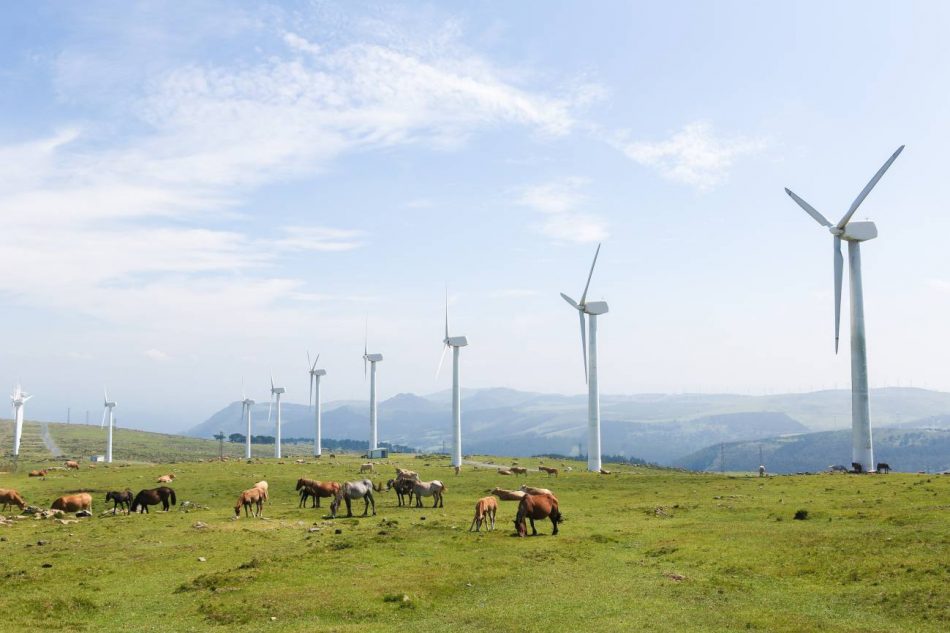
404	488
146	498
123	499
883	468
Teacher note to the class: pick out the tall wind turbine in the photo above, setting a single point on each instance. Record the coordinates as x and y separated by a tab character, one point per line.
315	375
108	406
372	359
588	311
246	404
862	450
456	343
275	393
18	398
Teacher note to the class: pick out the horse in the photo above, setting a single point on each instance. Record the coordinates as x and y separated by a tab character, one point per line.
366	468
37	473
432	489
252	496
354	490
884	468
262	484
537	491
549	471
316	489
458	470
519	470
403	488
856	468
146	498
10	497
166	479
73	503
485	509
123	499
72	464
509	495
537	507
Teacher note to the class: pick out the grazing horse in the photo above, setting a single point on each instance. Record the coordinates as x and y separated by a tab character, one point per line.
10	497
509	495
366	468
856	468
316	489
354	490
519	470
884	468
433	489
403	489
252	496
262	484
504	471
72	464
485	509
37	473
146	498
73	503
166	479
537	507
549	471
458	470
537	491
123	499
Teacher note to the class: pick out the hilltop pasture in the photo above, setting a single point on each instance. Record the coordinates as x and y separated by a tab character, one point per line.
642	548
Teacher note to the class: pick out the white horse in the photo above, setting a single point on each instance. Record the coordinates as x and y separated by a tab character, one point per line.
354	490
429	489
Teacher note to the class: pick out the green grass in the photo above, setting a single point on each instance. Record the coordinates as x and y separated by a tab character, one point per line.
644	549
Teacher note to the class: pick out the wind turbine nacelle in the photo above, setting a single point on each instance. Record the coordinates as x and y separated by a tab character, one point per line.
456	341
859	231
374	358
248	402
596	307
319	372
278	390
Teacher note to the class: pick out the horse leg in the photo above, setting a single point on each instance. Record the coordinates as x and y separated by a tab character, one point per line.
373	501
491	516
534	532
554	523
349	510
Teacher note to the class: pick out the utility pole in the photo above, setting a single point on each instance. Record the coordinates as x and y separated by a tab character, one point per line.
69	412
761	463
87	417
220	438
722	457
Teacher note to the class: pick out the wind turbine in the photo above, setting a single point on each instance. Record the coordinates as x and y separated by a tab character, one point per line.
862	450
108	405
18	398
456	343
590	309
315	398
372	359
275	392
246	404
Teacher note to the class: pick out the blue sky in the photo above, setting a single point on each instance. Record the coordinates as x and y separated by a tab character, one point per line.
196	196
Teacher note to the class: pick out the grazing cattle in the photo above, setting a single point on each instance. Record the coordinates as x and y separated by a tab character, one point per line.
537	491
146	498
366	468
252	496
537	507
884	468
37	473
165	479
10	497
72	464
123	499
403	489
549	471
485	509
434	489
73	503
316	490
509	495
264	487
504	471
354	490
519	470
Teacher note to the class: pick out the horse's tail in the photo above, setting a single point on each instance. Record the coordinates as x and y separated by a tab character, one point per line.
174	500
558	517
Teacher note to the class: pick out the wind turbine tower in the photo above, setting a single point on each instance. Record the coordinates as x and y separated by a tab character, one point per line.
18	398
372	359
456	343
862	449
588	311
108	410
246	404
315	375
275	394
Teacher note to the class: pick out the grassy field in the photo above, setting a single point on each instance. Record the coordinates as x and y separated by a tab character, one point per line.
648	549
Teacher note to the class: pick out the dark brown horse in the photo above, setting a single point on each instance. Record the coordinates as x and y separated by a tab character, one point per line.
123	499
534	507
315	490
403	488
146	498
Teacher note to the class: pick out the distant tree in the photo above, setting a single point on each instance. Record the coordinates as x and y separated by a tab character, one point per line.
236	438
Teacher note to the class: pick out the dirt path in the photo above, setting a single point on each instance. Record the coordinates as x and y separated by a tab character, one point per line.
48	440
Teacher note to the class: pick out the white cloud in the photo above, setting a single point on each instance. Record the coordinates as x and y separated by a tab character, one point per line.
156	355
301	44
693	156
558	201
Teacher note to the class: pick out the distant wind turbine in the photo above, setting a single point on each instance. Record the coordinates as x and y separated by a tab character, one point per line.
862	450
315	375
372	359
18	398
456	343
108	410
275	393
589	311
246	404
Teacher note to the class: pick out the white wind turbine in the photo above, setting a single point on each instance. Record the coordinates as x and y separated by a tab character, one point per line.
275	392
108	406
246	405
18	398
372	359
590	309
315	375
862	450
456	343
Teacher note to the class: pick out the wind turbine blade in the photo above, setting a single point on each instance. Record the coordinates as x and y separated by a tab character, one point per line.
446	314
309	364
243	392
310	392
569	300
272	382
270	406
867	188
584	342
105	395
103	423
445	348
839	268
812	211
591	274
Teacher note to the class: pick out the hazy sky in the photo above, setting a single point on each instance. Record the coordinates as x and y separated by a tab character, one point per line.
194	195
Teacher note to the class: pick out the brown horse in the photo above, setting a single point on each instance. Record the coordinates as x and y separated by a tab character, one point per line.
73	503
123	499
316	490
549	471
485	509
38	473
403	488
251	496
10	497
72	464
146	498
537	507
166	479
519	470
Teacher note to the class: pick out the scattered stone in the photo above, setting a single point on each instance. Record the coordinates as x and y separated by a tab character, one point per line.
338	531
42	543
273	618
3	539
47	565
313	529
84	513
199	525
422	518
66	521
202	559
676	577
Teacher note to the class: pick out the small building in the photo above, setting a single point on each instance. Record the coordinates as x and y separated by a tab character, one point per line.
378	453
99	459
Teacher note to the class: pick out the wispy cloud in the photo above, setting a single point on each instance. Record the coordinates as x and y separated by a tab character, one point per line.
156	355
559	201
694	156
